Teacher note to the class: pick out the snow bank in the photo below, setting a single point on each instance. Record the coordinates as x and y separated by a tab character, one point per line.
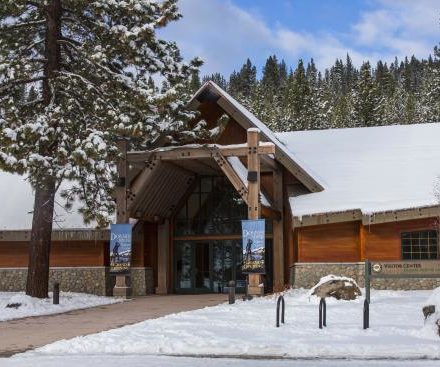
37	307
248	329
432	327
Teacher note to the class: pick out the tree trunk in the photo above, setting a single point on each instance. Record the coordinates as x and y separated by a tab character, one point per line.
39	250
38	271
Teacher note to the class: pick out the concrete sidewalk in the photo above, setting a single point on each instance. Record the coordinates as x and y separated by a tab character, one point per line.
32	332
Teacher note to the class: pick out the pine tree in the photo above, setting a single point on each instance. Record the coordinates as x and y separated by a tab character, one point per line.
218	79
366	100
195	83
90	62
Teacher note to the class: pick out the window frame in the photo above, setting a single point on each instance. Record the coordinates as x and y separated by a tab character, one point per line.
409	254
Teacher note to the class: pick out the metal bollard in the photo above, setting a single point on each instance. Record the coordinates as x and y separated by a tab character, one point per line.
322	313
231	292
280	301
366	314
56	293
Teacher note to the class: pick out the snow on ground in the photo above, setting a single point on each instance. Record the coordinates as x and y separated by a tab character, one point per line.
37	307
371	169
248	329
164	361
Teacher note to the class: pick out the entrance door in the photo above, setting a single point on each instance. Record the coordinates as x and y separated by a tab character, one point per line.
192	267
202	266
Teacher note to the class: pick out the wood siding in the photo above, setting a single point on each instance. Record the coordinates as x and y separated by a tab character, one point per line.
63	254
382	241
352	242
329	243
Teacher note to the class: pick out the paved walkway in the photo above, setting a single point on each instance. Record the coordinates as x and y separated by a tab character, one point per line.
32	332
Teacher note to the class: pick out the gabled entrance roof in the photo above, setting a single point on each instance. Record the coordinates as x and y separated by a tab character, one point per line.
213	93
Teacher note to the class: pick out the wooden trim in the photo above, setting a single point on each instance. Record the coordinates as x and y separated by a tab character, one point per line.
214	237
375	218
58	235
197	151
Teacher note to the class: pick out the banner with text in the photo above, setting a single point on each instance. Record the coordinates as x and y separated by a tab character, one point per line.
120	247
253	232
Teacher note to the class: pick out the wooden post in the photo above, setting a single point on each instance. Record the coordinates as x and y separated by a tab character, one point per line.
254	206
121	189
278	232
122	286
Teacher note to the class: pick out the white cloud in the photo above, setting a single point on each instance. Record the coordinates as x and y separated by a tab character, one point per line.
403	28
224	35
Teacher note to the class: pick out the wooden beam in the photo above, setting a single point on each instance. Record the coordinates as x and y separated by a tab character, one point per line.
278	231
232	176
121	188
253	164
140	183
268	162
197	151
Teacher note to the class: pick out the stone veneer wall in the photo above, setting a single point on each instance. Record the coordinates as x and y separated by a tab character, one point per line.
142	281
92	280
306	275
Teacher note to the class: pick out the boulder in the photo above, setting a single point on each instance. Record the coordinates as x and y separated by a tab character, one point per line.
337	287
431	311
428	310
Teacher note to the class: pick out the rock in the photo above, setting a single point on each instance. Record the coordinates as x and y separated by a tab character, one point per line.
431	311
428	310
337	287
13	305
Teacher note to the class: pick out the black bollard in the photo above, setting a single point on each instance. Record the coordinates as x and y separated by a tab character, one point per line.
280	301
322	313
366	314
56	293
231	292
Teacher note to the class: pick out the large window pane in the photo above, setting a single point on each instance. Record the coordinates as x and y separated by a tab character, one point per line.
420	245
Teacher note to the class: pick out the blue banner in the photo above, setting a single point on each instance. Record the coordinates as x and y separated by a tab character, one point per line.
120	247
253	237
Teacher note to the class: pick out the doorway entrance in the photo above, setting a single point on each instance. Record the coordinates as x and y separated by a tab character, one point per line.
207	266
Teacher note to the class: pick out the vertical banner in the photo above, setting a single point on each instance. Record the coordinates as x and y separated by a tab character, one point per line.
253	232
120	247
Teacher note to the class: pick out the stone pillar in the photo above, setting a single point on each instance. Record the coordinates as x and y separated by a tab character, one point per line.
142	281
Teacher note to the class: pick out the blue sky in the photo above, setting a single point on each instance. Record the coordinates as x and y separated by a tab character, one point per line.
225	32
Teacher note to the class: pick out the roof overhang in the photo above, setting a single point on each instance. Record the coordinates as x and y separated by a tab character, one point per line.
210	92
58	235
367	219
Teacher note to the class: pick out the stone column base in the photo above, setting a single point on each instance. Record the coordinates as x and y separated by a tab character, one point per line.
142	281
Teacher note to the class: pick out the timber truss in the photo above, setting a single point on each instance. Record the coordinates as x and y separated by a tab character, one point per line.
152	184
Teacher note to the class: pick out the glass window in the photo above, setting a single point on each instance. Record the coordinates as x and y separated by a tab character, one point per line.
420	245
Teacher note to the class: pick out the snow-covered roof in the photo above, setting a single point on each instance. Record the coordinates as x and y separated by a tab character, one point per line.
373	169
17	202
294	163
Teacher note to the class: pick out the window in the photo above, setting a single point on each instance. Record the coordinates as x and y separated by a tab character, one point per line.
421	245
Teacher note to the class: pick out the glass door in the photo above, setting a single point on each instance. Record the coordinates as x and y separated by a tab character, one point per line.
207	266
